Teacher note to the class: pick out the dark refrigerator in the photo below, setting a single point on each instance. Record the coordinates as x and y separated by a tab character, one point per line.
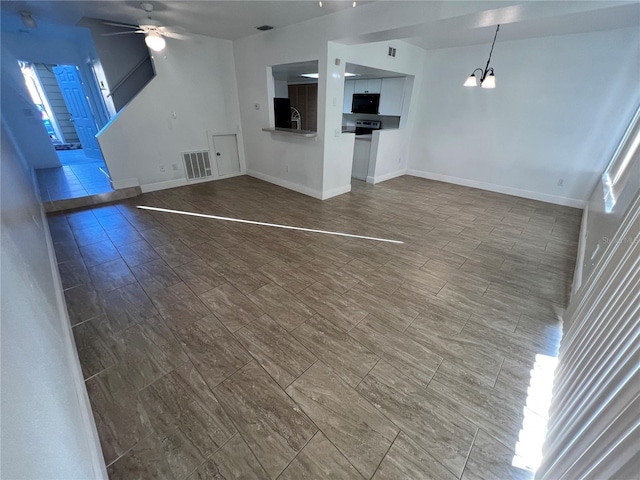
282	110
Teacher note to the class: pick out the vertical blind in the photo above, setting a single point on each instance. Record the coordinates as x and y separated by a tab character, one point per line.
594	426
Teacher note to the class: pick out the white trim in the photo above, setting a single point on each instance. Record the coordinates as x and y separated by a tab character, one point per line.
386	176
287	184
334	192
90	430
125	183
518	192
582	245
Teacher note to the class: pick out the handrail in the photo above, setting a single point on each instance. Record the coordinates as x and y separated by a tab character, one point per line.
128	75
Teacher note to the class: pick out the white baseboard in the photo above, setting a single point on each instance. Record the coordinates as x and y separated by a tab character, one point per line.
85	412
518	192
125	183
386	176
286	184
334	192
181	182
152	187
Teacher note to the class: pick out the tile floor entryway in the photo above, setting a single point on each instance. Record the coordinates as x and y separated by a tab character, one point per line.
73	181
221	350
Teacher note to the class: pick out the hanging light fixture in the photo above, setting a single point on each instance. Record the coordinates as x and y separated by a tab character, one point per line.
27	19
487	77
155	41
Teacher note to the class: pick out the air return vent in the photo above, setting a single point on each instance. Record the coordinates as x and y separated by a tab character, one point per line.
197	164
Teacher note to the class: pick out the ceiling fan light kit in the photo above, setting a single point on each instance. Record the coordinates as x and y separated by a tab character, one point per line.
154	32
487	77
155	41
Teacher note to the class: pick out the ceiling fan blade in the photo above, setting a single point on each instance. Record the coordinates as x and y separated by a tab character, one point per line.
123	25
177	36
121	33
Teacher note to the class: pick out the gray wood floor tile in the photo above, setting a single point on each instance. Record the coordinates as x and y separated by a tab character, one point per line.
188	419
179	306
98	253
96	345
119	416
408	460
149	350
111	275
318	460
268	420
83	303
488	408
155	275
242	276
231	306
490	459
127	306
397	348
158	236
442	433
352	424
507	263
329	276
280	354
401	313
176	253
338	310
137	253
348	358
199	276
213	350
123	236
90	235
289	278
234	460
281	306
145	460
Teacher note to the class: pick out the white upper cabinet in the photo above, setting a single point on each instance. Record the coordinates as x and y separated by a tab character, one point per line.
349	88
392	96
372	85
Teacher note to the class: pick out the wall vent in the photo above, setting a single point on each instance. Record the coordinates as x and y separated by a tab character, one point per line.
197	164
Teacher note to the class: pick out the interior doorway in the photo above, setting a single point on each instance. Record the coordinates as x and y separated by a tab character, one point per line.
66	112
59	95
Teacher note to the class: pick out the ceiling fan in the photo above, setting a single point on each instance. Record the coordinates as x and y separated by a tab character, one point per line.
154	32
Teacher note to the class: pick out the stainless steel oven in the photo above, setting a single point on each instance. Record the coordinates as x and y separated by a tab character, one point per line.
365	127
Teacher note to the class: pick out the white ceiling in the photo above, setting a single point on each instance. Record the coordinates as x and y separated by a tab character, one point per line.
220	19
235	19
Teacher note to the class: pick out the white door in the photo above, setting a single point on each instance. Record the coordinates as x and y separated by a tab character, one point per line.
226	153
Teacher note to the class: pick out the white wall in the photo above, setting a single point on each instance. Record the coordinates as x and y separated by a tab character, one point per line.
21	115
338	160
47	425
195	79
388	155
559	109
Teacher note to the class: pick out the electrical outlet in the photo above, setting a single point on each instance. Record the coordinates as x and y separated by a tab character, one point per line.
560	182
286	168
174	166
338	132
161	168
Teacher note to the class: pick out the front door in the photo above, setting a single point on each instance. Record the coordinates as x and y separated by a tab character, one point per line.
78	106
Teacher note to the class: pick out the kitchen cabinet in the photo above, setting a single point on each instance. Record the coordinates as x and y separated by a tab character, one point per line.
349	88
371	85
391	96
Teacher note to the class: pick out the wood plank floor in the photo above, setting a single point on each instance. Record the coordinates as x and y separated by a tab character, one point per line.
214	349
